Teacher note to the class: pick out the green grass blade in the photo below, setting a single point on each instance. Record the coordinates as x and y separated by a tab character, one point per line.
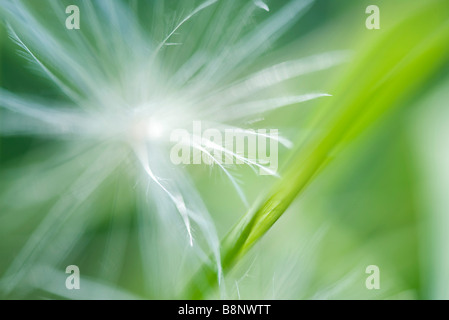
376	84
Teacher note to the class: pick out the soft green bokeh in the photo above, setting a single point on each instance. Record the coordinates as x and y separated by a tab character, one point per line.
365	184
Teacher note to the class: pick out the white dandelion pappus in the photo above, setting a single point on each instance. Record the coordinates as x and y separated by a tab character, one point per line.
125	84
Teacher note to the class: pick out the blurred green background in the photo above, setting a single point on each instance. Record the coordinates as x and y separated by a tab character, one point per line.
380	200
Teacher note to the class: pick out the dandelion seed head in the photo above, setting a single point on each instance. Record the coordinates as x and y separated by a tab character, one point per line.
155	129
126	78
